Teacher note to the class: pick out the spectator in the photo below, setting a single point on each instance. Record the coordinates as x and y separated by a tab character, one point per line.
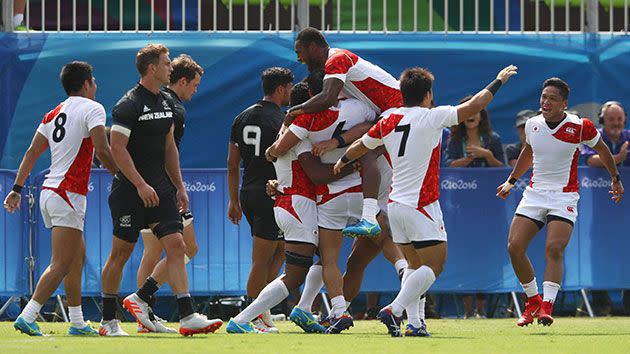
612	117
474	144
18	13
513	150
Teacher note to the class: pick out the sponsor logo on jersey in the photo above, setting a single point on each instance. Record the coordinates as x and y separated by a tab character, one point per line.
570	209
146	109
125	221
570	130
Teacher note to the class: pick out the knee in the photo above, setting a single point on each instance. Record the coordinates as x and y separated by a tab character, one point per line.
61	267
515	249
175	248
191	250
554	250
119	256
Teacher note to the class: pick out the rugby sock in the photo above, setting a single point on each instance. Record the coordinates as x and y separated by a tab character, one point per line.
312	285
109	306
550	290
76	316
400	266
338	306
370	209
266	315
348	304
412	309
270	296
31	310
421	304
184	305
147	290
531	288
17	20
416	284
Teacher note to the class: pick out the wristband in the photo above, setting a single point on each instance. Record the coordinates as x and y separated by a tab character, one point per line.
494	86
345	159
512	180
17	188
341	140
615	179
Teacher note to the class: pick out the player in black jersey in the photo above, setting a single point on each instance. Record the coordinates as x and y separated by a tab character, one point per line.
143	196
184	81
253	131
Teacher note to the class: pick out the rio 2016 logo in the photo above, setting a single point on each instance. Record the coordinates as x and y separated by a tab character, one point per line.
458	184
199	187
595	183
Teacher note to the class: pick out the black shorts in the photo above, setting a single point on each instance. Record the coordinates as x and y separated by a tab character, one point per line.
129	215
258	209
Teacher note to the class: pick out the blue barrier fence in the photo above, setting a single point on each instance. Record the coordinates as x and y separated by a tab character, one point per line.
477	223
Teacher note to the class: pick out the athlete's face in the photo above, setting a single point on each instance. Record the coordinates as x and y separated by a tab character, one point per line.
307	54
472	122
190	87
285	91
163	69
614	120
552	104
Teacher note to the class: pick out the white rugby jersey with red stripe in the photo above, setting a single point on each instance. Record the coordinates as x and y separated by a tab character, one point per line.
292	180
363	80
67	129
412	138
557	151
321	126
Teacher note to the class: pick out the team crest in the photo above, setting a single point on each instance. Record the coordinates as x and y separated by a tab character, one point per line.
535	129
570	209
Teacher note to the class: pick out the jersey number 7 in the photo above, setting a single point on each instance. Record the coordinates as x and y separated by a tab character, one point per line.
403	142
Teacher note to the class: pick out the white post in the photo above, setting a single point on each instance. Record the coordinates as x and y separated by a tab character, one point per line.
592	16
302	14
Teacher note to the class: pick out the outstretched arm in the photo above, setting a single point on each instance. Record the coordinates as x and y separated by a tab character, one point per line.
323	100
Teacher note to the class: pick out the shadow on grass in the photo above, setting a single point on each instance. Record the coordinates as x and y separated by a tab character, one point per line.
581	334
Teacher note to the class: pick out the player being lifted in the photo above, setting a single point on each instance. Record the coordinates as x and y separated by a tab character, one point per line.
348	75
73	131
412	136
552	147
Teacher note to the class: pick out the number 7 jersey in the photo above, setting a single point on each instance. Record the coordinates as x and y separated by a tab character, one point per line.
67	129
412	138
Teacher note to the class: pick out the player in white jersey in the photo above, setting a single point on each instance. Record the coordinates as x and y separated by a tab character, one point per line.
348	75
72	131
412	136
552	146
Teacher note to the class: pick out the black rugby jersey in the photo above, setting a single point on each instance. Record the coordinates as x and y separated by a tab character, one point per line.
254	130
149	118
179	115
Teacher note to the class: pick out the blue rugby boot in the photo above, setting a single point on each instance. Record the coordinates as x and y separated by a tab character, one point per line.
362	228
412	331
238	328
85	331
306	321
32	329
338	324
387	317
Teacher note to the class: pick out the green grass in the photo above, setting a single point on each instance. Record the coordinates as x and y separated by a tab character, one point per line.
567	335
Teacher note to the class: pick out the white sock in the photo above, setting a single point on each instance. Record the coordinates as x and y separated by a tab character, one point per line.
30	312
17	20
338	305
413	315
348	304
269	297
416	284
421	304
370	209
76	316
267	317
531	288
550	290
400	265
312	285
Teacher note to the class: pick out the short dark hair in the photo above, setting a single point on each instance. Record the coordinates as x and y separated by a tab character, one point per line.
149	54
415	83
74	74
560	85
274	77
184	66
311	35
315	82
299	94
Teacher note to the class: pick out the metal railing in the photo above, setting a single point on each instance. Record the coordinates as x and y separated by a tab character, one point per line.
385	16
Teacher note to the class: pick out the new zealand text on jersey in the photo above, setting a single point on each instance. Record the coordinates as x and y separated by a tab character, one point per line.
155	115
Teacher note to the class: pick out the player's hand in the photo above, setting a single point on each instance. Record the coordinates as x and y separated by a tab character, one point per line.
148	195
504	190
338	166
182	200
505	74
12	201
477	151
235	213
272	187
325	146
268	155
617	191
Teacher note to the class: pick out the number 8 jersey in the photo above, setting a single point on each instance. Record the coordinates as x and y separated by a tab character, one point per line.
412	138
67	129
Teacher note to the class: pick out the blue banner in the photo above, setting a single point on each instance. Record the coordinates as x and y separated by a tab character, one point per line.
13	242
476	221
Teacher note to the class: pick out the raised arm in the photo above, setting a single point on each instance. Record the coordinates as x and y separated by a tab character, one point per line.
323	100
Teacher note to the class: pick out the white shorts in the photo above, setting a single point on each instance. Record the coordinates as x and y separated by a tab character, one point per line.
411	225
386	182
539	204
296	216
57	211
341	210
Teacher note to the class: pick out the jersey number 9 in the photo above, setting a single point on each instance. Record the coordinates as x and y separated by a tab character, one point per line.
251	136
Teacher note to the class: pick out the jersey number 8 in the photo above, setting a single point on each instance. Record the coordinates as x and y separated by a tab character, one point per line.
252	140
59	132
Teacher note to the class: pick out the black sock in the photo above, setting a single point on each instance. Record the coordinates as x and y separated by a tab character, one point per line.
185	306
109	306
147	290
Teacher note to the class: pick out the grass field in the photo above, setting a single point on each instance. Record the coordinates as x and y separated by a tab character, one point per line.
567	335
